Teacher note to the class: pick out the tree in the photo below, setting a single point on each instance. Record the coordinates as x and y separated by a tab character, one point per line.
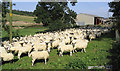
10	21
115	8
50	12
8	28
5	6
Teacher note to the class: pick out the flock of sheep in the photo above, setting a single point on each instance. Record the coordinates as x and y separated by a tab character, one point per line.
40	45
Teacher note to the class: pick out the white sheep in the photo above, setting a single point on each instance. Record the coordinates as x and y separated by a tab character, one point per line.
14	48
5	42
67	40
6	56
98	34
39	55
40	46
25	49
80	44
65	48
2	50
55	43
92	36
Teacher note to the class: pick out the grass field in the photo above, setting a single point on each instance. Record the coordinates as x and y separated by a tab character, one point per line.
96	55
21	18
23	32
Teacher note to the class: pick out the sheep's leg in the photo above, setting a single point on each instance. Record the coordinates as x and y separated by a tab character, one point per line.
29	55
48	49
52	48
90	39
28	52
70	53
75	50
61	53
45	61
33	61
19	54
84	50
15	52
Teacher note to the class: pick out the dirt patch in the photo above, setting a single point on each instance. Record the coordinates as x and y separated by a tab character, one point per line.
22	23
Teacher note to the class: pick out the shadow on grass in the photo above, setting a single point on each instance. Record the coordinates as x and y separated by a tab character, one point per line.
12	61
7	38
40	61
57	30
32	26
106	35
115	56
23	55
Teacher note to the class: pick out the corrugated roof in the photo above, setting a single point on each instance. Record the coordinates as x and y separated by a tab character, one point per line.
90	15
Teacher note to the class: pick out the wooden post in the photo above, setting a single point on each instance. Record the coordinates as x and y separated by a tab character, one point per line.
10	21
96	21
101	20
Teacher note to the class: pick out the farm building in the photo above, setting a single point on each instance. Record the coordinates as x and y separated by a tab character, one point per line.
87	19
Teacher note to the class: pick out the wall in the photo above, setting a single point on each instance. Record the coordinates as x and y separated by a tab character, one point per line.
85	19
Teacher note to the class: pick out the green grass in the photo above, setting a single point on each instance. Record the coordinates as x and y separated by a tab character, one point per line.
96	55
21	18
23	32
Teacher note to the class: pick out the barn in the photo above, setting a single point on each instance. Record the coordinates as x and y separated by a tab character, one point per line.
87	19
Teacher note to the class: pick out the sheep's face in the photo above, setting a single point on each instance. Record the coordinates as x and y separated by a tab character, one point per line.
48	45
48	50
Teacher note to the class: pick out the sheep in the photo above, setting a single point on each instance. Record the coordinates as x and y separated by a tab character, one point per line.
92	36
2	50
98	34
24	49
5	42
80	44
14	39
63	47
55	43
67	40
14	47
6	56
15	44
40	46
39	55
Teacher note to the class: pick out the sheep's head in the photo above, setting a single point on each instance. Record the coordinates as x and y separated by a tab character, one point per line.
48	45
48	50
74	41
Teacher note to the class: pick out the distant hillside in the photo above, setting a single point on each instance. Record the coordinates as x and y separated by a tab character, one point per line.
28	19
21	20
25	13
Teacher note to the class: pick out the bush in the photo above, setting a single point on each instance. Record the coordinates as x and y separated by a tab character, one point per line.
76	64
115	56
57	25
